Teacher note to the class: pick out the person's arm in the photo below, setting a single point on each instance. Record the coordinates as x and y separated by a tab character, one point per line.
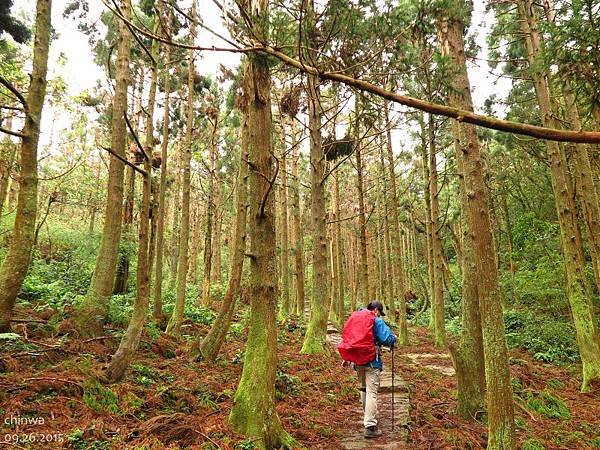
383	333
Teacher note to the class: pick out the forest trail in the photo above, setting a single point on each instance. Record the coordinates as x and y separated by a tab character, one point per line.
438	362
391	439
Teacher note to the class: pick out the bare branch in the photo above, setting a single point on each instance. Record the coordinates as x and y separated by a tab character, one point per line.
124	161
13	133
8	85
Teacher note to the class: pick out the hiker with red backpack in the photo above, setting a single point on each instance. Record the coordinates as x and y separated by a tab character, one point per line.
363	335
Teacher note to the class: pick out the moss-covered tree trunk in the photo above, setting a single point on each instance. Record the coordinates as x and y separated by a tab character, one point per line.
584	182
174	325
578	292
501	428
253	413
17	260
92	313
468	355
209	346
161	209
131	339
314	340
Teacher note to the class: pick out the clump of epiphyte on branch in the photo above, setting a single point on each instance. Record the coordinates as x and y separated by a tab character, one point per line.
336	149
290	101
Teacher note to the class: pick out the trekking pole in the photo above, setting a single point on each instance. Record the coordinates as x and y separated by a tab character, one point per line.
392	388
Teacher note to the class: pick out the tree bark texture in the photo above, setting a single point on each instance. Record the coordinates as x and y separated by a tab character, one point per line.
501	432
17	260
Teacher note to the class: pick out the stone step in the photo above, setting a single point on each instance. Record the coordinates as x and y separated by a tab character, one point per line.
395	439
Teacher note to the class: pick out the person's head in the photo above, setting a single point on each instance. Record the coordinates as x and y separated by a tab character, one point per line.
376	306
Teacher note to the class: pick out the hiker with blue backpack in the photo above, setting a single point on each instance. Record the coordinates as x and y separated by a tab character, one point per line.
362	338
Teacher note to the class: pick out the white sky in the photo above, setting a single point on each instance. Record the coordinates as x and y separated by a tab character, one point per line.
81	73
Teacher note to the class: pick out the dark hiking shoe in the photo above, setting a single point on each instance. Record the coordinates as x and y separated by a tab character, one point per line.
372	432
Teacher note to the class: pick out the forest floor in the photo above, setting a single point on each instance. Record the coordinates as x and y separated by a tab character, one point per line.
49	396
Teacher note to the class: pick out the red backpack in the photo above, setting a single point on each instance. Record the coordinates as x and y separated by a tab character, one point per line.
358	342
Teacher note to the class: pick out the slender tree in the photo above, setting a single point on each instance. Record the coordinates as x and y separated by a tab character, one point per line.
209	346
174	325
161	210
131	339
395	232
285	265
363	271
210	206
92	313
297	236
437	306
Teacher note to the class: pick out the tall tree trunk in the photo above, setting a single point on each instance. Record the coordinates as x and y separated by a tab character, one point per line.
210	215
7	157
161	209
131	339
177	194
428	216
209	346
584	181
363	262
174	325
501	432
314	340
437	307
196	232
468	356
353	272
285	265
253	412
17	260
395	234
297	237
389	284
122	275
335	314
13	190
339	249
578	292
92	313
216	274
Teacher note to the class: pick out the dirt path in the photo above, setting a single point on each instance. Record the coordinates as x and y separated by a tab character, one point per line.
438	362
391	439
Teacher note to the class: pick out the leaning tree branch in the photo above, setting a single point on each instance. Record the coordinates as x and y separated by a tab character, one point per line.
13	133
137	139
124	161
461	115
8	85
551	134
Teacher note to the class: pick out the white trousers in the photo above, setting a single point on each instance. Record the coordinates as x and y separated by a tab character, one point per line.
369	384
